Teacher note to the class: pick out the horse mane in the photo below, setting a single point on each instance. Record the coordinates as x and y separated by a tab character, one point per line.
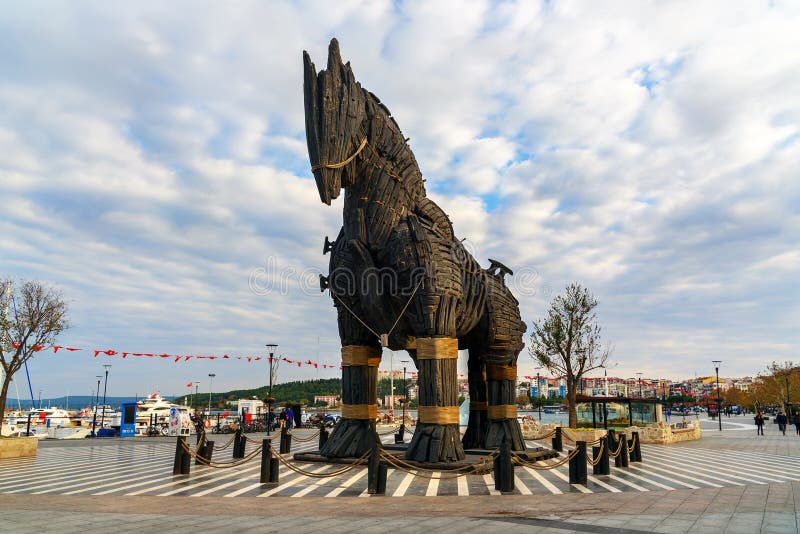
385	131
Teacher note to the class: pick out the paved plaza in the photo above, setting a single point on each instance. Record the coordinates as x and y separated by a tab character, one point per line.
728	482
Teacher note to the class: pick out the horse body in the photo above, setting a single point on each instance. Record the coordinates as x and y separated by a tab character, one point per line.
397	268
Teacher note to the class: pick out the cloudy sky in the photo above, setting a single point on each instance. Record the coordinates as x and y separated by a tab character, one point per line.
154	169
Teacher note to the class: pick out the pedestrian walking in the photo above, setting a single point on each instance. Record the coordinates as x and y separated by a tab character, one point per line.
796	422
759	418
781	420
289	417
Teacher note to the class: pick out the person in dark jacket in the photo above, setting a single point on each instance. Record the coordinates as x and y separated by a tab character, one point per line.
759	419
781	420
796	422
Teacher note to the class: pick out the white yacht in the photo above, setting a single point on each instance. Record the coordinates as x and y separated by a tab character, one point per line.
154	409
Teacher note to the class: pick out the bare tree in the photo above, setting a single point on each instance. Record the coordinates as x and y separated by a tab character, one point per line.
567	341
31	318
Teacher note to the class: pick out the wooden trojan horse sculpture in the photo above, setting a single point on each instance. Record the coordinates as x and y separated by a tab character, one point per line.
399	278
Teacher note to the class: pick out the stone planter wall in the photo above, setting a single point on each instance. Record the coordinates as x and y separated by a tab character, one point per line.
18	447
659	433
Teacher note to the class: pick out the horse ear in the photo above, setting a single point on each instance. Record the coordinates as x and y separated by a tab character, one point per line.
334	57
311	107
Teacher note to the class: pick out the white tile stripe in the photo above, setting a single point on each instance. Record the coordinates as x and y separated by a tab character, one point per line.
292	482
433	485
609	487
627	483
719	459
686	484
81	481
404	484
695	469
462	486
543	481
557	472
657	484
719	470
489	481
346	484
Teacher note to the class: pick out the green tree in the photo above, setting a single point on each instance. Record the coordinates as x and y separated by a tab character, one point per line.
567	342
31	318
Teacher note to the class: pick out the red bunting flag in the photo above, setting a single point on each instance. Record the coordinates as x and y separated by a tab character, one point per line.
189	385
16	344
125	354
72	349
55	348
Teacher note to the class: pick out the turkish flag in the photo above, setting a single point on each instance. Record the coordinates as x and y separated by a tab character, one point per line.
189	385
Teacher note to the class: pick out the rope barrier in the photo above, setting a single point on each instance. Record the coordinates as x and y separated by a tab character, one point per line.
390	431
598	456
307	438
633	444
223	447
619	448
221	465
258	442
462	468
361	461
517	459
394	462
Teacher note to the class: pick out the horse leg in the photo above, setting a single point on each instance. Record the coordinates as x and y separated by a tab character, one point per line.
354	434
503	426
436	437
478	420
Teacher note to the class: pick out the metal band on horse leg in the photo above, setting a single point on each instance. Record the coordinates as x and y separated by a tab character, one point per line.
501	372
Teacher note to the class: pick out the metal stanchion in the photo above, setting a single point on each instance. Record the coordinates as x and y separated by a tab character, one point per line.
286	441
209	451
623	451
636	455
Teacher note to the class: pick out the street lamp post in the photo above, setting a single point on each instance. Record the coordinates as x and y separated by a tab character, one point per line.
639	375
788	406
271	348
105	388
402	429
719	399
196	395
210	385
538	392
96	402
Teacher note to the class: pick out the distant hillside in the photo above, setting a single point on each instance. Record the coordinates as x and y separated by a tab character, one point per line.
301	392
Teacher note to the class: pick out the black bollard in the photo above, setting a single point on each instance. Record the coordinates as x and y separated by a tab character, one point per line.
504	469
374	483
239	442
636	455
399	436
623	450
577	465
601	466
176	466
557	443
266	460
186	462
286	441
209	451
323	437
200	454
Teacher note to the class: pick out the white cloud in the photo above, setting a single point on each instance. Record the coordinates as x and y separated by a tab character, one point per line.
155	157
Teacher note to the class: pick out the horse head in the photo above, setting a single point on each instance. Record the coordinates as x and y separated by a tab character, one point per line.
335	122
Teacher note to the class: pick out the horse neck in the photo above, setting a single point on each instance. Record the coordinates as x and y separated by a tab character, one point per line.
387	185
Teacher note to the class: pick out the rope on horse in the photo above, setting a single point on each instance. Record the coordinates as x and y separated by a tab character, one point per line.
343	162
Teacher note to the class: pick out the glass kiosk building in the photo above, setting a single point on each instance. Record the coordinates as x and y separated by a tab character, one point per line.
617	412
